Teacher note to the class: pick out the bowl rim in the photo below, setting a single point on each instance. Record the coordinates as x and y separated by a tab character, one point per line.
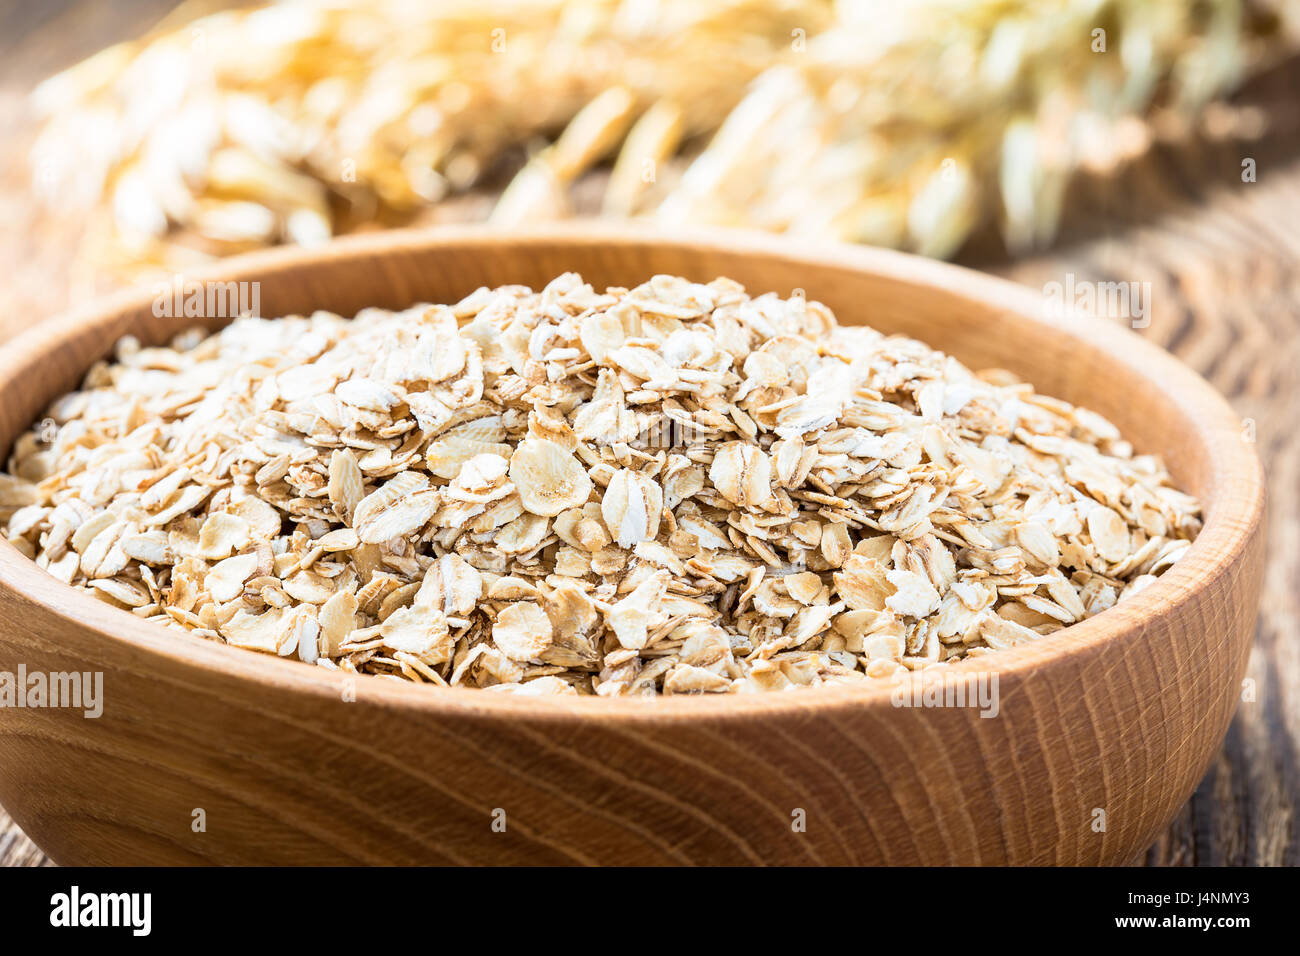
1233	514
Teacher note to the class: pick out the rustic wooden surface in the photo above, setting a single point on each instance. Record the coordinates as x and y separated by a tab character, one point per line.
1221	257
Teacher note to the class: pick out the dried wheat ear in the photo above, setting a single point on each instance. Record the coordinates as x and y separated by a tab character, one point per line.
905	124
671	489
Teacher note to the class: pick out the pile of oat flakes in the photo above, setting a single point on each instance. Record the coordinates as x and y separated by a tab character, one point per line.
670	489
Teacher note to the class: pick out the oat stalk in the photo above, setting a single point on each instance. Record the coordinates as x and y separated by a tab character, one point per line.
904	124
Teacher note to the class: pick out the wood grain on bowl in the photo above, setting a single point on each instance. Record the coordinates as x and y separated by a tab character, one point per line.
1102	730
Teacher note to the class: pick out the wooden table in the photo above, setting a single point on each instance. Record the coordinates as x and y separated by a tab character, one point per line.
1223	261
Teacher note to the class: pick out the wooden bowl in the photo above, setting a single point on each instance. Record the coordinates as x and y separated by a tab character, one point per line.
1102	732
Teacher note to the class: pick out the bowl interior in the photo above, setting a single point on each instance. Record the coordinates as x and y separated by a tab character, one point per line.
1158	404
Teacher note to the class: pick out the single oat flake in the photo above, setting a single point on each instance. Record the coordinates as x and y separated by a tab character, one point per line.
671	489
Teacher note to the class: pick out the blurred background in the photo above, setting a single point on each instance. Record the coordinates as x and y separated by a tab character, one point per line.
1060	143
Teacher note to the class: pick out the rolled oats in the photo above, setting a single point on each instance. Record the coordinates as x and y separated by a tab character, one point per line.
672	489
